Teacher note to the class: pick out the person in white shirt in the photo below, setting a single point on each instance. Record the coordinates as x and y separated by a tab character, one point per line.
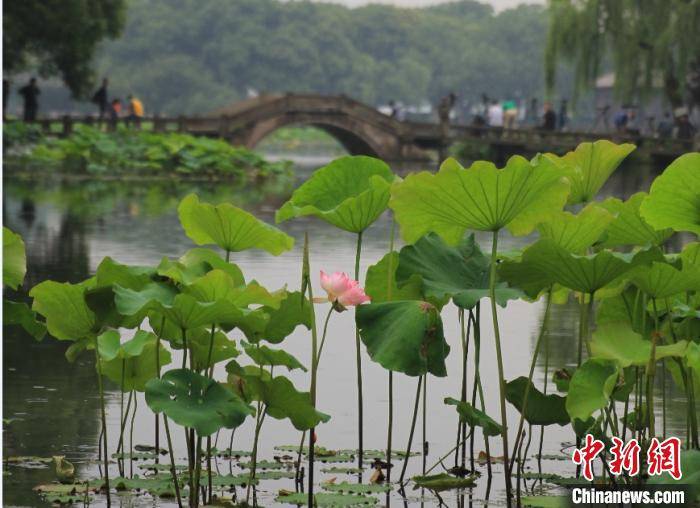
495	114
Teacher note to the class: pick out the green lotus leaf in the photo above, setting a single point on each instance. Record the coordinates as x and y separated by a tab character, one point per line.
630	307
14	259
628	227
690	256
195	401
356	488
19	313
111	272
180	272
275	324
378	280
674	197
619	342
129	302
265	356
545	262
541	409
663	280
229	227
589	167
546	501
201	255
575	233
63	305
484	198
350	193
282	400
134	362
443	481
460	273
590	387
199	343
404	336
324	499
475	417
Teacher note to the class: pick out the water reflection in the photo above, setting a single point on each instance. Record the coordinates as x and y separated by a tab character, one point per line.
69	226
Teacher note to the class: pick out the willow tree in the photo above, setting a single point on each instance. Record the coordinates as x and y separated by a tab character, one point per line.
642	41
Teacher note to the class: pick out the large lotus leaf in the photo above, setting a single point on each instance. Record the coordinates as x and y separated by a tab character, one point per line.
630	307
19	313
443	481
135	364
111	272
628	227
229	227
326	499
518	197
690	256
275	324
195	401
575	233
379	282
180	272
283	401
674	197
589	167
585	273
265	356
523	272
540	409
474	417
63	305
14	259
131	302
200	255
350	193
590	387
663	280
460	273
199	342
404	336
619	342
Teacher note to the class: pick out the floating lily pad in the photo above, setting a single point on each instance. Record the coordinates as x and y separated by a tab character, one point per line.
546	501
443	481
321	499
29	462
267	464
135	456
163	466
341	470
233	454
274	475
356	488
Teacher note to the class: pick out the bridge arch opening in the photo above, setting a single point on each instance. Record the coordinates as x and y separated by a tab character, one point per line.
346	140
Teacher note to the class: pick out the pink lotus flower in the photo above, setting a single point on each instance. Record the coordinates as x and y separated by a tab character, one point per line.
342	290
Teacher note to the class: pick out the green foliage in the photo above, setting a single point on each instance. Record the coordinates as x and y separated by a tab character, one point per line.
34	36
620	343
63	306
474	417
673	199
268	357
19	313
92	151
541	409
194	401
404	336
480	197
350	193
576	233
628	227
590	387
379	280
443	481
229	227
14	259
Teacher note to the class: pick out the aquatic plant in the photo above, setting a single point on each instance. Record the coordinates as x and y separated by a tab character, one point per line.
638	310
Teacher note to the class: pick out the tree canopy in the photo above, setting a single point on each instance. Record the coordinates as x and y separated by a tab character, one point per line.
58	37
190	56
646	43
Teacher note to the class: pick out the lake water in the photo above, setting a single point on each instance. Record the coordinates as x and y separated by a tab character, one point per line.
53	406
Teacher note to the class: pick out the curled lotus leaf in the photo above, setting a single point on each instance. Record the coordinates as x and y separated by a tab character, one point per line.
663	280
229	227
195	401
475	417
481	197
63	305
19	313
589	166
590	387
576	232
350	193
443	481
540	409
404	336
674	197
381	285
266	356
135	362
619	342
629	227
14	259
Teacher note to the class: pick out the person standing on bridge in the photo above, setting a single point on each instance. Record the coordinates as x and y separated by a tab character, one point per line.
101	99
549	119
495	114
30	94
135	111
444	109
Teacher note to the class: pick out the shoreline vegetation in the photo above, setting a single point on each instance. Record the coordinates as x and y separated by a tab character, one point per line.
90	152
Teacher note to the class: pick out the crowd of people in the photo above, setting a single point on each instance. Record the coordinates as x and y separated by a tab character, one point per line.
111	109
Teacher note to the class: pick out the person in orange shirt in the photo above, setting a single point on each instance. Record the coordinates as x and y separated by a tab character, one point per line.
135	110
